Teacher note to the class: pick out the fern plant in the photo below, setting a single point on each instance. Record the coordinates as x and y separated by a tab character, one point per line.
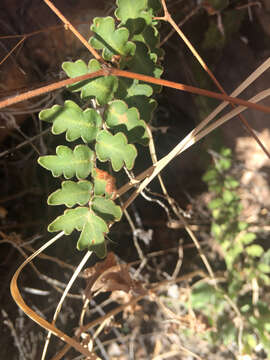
109	130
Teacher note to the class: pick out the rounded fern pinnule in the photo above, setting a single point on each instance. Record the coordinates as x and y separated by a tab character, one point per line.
136	15
120	118
72	193
110	40
74	121
69	163
133	15
115	148
92	235
92	227
71	219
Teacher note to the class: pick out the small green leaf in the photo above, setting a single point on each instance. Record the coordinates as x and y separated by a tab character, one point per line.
116	149
82	219
203	295
111	41
106	209
254	250
210	175
217	188
224	164
216	230
150	37
228	196
71	193
265	268
129	87
226	152
266	257
72	119
102	88
133	14
247	238
232	255
235	284
69	163
245	308
215	204
242	225
145	105
100	186
253	321
265	278
120	118
92	236
70	220
230	182
226	244
229	333
216	213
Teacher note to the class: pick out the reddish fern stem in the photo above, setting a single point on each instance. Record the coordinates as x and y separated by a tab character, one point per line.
45	89
127	74
190	89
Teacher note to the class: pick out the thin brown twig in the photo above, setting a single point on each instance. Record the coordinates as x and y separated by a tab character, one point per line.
26	36
22	144
33	33
48	88
12	50
69	26
181	23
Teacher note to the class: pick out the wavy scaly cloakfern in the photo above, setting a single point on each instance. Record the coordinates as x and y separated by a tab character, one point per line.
129	41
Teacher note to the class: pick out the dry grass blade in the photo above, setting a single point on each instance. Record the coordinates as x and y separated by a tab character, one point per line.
39	320
60	303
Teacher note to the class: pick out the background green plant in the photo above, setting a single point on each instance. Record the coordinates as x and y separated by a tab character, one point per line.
246	265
